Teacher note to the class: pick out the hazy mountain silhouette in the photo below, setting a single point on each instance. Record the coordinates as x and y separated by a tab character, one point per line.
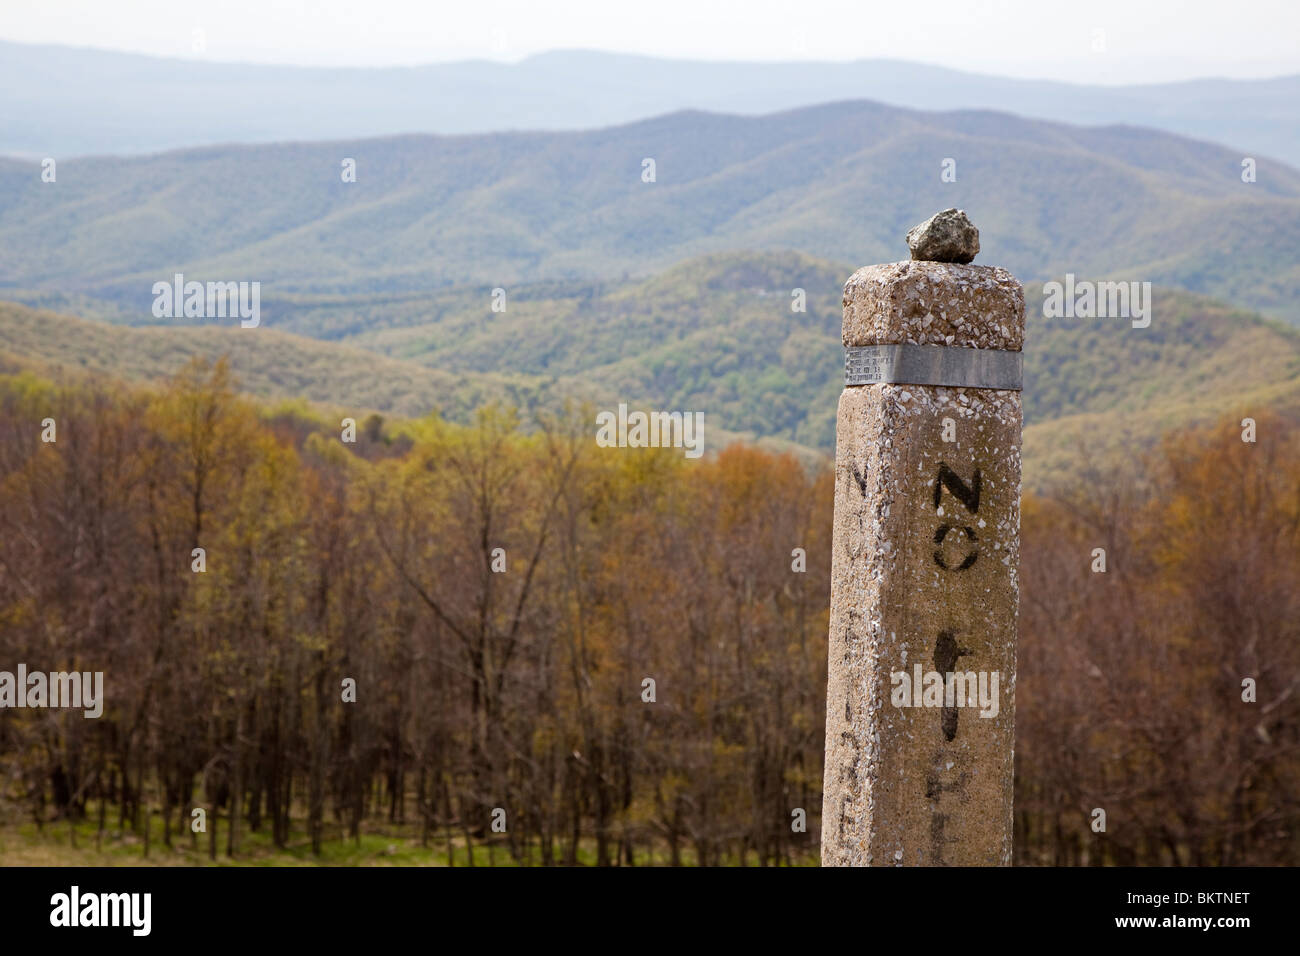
62	101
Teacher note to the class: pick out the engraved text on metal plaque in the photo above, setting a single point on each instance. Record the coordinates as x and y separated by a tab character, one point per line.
945	365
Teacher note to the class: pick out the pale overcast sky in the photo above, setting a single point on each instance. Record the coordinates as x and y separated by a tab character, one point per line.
1093	41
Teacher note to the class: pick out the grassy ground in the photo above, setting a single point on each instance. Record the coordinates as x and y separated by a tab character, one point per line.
65	843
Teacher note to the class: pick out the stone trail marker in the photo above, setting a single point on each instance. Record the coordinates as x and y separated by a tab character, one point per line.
920	708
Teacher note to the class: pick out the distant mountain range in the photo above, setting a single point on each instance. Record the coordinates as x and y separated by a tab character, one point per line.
63	101
672	290
840	181
716	335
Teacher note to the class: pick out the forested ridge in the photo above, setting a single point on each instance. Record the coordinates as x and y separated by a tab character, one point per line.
716	334
840	181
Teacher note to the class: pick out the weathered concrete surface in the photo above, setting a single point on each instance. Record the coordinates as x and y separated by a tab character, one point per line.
918	583
934	303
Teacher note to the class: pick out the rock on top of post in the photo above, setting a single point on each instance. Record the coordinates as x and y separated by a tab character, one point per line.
946	236
927	302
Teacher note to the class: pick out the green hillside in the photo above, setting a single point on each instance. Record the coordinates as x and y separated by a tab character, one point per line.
1104	388
716	335
841	181
269	363
340	378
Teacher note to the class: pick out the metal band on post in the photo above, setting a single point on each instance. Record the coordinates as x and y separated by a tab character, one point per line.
943	365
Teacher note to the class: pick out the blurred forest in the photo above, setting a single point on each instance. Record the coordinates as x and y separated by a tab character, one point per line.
522	689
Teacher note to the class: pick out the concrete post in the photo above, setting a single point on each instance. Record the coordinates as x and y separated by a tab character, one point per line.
924	595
